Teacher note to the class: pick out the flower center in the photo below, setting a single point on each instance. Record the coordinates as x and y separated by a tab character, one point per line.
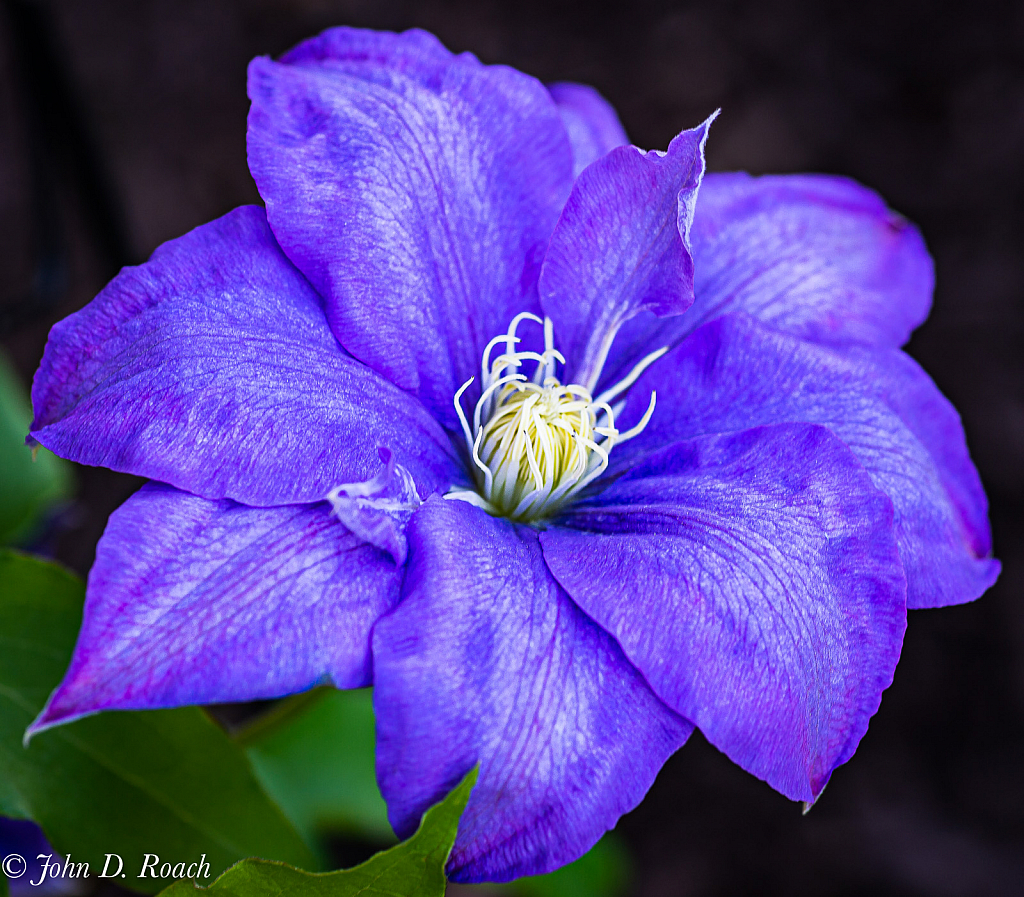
535	443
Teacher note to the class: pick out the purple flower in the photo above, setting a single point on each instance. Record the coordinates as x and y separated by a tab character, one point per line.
32	865
488	409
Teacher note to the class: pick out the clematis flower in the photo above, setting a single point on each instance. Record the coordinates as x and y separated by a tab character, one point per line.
563	446
25	841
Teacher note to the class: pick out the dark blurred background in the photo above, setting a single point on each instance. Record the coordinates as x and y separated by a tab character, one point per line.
122	124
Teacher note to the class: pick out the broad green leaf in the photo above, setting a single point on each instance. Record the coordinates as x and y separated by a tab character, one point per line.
414	868
27	487
314	754
315	757
603	872
166	782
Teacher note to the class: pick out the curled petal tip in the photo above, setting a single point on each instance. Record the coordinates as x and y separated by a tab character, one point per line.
48	719
808	804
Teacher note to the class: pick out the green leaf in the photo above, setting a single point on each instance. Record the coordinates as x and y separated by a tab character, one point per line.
314	754
603	872
27	487
166	782
4	892
315	757
414	868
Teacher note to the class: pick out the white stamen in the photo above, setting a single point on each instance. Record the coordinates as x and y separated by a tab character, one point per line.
629	434
535	442
642	365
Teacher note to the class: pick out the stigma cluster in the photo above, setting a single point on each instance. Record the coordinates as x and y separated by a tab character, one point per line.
535	442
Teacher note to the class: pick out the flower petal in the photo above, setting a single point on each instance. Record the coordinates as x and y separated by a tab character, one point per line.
487	660
211	367
378	510
416	53
931	417
753	578
415	189
733	374
622	246
820	257
592	124
192	602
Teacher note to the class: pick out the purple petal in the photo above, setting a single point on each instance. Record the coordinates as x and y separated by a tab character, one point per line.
758	588
820	257
415	53
27	841
192	602
415	189
211	367
378	510
592	124
931	417
734	374
622	246
487	660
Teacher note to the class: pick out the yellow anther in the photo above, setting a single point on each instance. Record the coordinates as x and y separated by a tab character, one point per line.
535	442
